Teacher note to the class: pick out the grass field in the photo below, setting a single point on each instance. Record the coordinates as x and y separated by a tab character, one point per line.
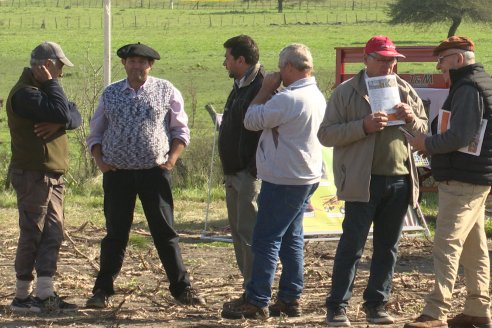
190	43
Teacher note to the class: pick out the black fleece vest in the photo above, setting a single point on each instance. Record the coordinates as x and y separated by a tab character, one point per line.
460	166
237	145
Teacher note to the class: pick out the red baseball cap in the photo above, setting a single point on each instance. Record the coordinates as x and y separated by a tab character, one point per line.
383	46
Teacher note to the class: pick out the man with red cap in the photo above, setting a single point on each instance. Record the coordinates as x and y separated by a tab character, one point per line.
464	183
375	175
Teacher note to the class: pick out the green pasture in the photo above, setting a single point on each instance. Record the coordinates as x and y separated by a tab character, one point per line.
189	39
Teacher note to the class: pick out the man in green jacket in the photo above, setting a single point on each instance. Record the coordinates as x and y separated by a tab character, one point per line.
39	114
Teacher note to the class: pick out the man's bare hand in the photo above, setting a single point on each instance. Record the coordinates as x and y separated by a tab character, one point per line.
404	112
103	167
271	82
418	142
375	122
168	166
41	73
45	129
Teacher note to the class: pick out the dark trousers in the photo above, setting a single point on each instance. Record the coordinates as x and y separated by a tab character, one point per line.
385	210
153	187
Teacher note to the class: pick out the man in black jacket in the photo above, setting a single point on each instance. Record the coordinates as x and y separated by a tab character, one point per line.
464	173
237	147
39	114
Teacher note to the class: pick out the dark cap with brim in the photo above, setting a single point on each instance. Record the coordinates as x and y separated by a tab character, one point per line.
50	50
455	42
137	50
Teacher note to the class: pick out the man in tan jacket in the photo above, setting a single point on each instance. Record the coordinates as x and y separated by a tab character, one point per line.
375	176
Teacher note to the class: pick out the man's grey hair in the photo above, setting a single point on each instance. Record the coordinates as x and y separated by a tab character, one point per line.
469	57
298	55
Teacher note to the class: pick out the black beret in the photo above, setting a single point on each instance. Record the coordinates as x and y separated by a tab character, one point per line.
137	50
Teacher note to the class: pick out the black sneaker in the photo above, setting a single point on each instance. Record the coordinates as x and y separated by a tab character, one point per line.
290	309
189	296
55	304
99	300
26	305
378	315
337	317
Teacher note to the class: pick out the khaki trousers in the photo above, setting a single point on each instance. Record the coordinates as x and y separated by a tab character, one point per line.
40	203
241	193
460	239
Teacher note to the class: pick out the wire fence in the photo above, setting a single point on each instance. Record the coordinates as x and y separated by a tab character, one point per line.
352	5
143	21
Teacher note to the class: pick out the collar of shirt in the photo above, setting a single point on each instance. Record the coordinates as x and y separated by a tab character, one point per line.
126	86
301	83
240	82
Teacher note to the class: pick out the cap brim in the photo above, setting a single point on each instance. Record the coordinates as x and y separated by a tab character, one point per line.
444	46
389	53
66	62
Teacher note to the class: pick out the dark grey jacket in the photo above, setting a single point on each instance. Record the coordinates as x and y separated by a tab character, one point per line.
237	145
469	100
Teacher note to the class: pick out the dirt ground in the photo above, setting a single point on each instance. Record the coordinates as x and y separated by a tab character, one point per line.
143	299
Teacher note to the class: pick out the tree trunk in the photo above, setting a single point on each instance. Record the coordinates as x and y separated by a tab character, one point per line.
280	5
454	26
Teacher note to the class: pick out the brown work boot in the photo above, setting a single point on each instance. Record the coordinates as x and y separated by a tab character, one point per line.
241	308
290	309
233	302
463	320
425	321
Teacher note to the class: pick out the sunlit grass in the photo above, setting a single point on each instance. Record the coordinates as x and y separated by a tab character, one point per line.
8	199
140	241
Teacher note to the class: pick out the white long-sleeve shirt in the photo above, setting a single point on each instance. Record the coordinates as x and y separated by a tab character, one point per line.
289	152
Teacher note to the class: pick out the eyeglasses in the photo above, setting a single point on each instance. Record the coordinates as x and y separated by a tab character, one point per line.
387	60
441	58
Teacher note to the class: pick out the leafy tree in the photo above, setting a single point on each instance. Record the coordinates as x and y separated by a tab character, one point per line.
427	12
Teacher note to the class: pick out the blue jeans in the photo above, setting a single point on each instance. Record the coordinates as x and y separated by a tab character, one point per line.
279	233
386	210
